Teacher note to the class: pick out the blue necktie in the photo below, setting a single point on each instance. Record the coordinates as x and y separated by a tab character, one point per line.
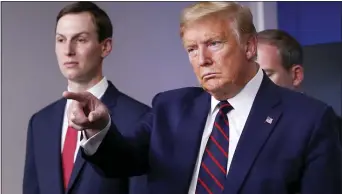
213	170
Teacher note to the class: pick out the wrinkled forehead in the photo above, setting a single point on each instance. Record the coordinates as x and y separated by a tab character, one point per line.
71	24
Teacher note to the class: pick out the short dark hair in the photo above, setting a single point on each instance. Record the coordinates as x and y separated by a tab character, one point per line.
290	49
101	20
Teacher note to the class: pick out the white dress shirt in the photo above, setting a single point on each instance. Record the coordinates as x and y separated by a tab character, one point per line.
97	90
237	117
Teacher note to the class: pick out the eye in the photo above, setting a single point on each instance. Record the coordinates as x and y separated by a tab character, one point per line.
60	40
81	40
269	74
191	51
215	45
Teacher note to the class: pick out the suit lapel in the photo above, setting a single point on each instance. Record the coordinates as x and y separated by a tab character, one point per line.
111	95
188	139
261	121
51	148
76	171
109	99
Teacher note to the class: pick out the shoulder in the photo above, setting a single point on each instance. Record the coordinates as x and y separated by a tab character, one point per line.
122	101
177	95
304	110
130	103
301	102
126	112
44	115
49	109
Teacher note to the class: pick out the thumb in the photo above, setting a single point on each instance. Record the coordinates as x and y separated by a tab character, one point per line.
93	116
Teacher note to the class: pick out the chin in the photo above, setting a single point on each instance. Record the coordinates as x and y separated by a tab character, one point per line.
211	87
72	76
217	88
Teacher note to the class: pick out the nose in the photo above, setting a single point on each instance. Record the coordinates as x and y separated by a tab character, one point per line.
69	49
204	58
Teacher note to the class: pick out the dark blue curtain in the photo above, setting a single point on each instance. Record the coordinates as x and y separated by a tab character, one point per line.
311	22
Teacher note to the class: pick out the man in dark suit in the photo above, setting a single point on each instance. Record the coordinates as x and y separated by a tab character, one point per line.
281	57
239	133
53	163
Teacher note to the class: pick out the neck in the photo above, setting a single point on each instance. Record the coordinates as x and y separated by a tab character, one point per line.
77	86
234	88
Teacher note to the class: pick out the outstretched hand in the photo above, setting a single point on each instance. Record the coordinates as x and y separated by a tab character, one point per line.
86	112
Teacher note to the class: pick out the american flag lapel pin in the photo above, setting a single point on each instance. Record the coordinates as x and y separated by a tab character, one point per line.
269	120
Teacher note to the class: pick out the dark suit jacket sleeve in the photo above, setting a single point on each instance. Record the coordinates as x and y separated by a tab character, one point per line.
122	156
30	182
322	170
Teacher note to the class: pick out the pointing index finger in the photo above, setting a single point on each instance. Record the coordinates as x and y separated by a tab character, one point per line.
80	97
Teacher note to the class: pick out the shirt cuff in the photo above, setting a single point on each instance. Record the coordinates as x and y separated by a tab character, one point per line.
91	145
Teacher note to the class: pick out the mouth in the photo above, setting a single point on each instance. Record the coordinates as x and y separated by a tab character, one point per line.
71	64
209	76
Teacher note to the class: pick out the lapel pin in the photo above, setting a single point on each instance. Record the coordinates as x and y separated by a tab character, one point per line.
269	120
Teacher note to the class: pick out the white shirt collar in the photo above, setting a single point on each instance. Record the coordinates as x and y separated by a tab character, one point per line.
99	89
243	101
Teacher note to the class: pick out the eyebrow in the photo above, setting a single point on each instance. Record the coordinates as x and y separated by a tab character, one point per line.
207	40
269	70
211	39
77	34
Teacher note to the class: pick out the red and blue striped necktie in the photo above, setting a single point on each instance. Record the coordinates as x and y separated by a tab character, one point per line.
213	170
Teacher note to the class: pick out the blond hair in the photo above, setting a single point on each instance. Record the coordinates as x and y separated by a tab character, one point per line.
240	16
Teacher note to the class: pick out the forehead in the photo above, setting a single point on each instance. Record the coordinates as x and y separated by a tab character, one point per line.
75	23
204	29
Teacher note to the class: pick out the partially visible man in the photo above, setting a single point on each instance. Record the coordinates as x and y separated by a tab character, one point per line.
238	134
281	57
53	162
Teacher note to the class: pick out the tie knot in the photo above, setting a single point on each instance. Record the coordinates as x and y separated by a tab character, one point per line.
225	107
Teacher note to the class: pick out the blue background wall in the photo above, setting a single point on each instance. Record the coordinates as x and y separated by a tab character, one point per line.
317	26
311	22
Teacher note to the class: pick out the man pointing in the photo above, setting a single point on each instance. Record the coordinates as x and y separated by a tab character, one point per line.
239	133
